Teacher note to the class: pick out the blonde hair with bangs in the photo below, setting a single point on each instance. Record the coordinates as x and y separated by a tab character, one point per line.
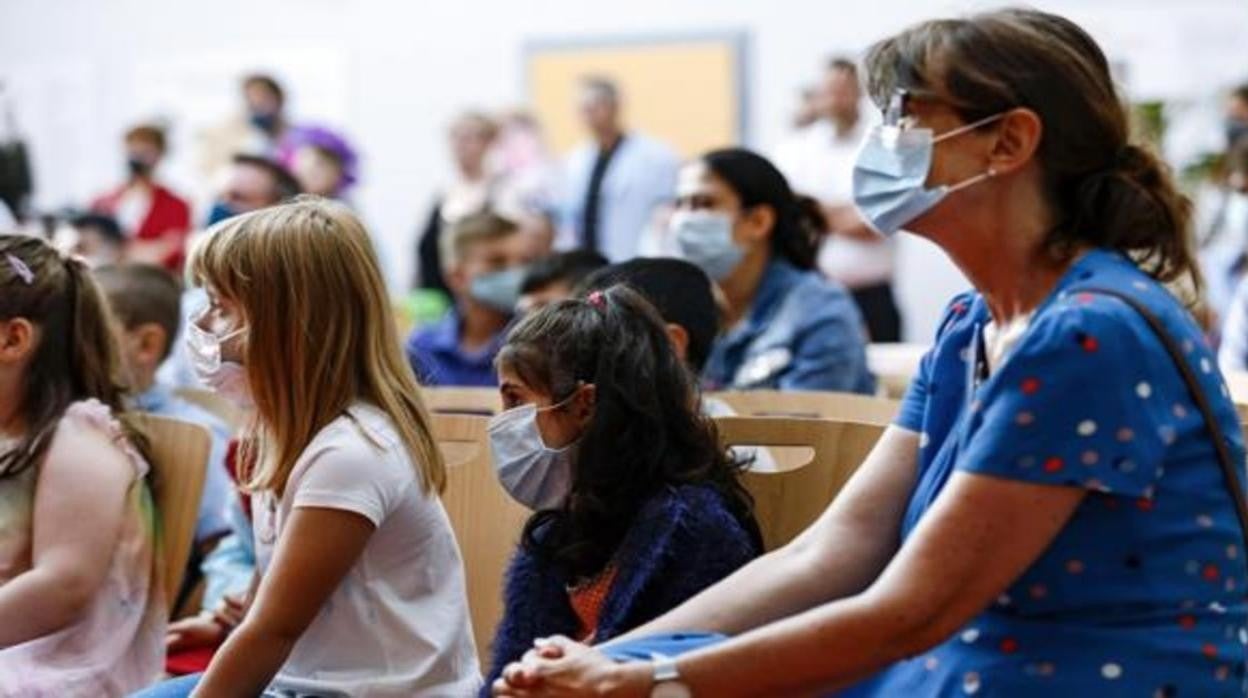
320	333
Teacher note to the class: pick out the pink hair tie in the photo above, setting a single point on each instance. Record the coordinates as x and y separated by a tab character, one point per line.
20	268
597	300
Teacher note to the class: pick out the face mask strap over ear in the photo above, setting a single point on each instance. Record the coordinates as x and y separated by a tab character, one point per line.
567	400
987	174
968	127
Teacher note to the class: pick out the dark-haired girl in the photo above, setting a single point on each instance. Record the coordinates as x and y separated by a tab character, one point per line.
81	608
637	506
788	327
1054	512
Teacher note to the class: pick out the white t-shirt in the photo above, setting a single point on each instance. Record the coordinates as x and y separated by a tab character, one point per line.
819	163
398	624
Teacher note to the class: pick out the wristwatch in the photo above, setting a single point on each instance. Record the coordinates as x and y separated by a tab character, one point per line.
667	680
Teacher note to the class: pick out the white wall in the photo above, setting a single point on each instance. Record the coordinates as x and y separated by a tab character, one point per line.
393	73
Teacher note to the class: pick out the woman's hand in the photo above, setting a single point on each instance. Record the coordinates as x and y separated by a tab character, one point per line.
558	667
195	632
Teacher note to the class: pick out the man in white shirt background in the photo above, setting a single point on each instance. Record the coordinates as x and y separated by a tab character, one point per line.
818	161
615	182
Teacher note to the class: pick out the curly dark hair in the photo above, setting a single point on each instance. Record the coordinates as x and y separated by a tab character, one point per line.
647	432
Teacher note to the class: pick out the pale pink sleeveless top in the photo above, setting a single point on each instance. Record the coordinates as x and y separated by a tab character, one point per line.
119	644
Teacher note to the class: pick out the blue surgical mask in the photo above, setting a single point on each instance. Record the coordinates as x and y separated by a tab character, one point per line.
219	212
705	239
537	476
891	172
498	290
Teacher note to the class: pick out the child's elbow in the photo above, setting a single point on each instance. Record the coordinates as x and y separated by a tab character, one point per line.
74	594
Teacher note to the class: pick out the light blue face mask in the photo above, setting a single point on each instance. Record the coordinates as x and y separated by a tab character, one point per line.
704	238
891	171
498	290
537	476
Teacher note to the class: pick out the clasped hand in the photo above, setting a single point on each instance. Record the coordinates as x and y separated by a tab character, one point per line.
557	667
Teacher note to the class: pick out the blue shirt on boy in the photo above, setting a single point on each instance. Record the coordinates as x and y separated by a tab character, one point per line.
437	358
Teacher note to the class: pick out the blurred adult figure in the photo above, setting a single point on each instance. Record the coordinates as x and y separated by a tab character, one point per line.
818	161
1224	231
154	219
616	181
470	190
1237	115
258	129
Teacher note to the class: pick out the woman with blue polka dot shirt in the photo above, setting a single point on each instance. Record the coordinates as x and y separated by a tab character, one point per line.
1054	511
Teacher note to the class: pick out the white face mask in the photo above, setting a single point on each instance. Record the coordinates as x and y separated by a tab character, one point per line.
227	378
533	474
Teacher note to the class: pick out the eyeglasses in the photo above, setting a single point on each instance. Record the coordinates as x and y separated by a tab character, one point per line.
896	116
895	113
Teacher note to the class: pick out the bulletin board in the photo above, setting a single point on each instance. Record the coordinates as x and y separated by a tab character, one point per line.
688	91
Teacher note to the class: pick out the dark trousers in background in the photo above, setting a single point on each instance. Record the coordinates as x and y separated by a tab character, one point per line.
879	311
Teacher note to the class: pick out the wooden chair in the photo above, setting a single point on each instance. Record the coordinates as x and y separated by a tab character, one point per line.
179	460
478	401
221	408
486	520
787	501
894	365
864	409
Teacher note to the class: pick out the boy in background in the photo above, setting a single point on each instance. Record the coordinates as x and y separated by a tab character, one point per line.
483	259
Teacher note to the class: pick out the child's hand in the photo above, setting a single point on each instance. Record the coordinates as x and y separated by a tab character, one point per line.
194	632
231	611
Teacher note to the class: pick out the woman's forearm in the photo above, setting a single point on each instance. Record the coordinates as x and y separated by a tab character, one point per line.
804	654
978	538
778	585
246	663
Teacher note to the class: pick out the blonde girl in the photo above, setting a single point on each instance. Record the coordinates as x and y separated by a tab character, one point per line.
360	587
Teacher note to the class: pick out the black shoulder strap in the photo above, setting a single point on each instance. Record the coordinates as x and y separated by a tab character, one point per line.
1230	470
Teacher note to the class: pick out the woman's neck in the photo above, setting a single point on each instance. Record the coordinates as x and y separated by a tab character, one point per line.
1011	266
741	286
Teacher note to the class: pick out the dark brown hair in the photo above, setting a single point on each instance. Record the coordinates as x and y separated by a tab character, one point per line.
842	64
1105	191
149	133
800	223
266	82
76	357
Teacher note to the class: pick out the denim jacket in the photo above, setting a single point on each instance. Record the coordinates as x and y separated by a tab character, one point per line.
802	333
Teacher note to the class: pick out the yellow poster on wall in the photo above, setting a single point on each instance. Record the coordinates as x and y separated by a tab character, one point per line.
686	92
